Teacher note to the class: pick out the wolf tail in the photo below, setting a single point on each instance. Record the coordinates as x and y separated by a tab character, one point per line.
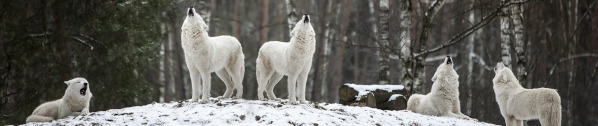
552	114
38	118
555	112
413	102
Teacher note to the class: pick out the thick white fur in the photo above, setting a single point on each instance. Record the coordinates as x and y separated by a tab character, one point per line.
205	54
443	99
293	59
517	103
71	104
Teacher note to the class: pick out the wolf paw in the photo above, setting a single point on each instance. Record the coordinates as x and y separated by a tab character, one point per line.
277	99
85	112
304	102
263	99
204	101
294	102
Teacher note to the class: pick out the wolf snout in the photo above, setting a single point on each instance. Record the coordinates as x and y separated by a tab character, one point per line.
449	60
85	84
306	20
190	13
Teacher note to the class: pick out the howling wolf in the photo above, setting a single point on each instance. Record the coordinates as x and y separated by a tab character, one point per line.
293	59
443	99
205	54
74	102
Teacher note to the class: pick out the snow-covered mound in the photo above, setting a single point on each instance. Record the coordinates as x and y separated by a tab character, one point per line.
250	112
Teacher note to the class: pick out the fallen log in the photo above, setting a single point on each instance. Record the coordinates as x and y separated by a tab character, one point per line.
386	97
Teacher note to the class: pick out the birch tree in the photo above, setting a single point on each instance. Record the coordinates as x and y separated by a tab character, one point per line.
517	17
291	14
505	36
384	48
470	50
406	54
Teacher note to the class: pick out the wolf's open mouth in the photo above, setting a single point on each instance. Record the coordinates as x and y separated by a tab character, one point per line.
83	90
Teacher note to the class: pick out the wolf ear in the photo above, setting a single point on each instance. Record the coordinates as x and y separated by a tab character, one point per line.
206	27
67	83
502	77
292	33
434	77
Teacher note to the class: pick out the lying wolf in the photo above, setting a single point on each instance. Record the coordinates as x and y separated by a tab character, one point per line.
74	102
443	99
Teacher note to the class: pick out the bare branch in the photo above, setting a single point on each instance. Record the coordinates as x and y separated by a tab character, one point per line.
40	34
92	39
583	55
481	61
469	31
82	41
427	23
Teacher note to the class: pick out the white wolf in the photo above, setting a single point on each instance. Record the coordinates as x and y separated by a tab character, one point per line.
443	99
517	103
293	59
205	54
74	102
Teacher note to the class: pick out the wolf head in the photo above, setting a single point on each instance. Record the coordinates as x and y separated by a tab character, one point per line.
503	74
445	70
77	86
303	27
194	21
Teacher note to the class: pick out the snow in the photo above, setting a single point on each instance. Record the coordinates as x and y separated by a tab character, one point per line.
250	112
393	97
365	89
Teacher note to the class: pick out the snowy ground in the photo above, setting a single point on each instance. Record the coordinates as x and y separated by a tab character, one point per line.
250	112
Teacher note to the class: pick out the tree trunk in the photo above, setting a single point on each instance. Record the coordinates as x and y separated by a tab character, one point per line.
384	48
325	54
566	7
517	16
338	77
178	62
405	44
61	48
166	67
264	30
235	21
470	48
291	14
423	40
505	36
208	16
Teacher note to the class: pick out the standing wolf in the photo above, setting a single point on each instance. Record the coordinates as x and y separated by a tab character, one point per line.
293	59
205	54
443	99
517	103
74	102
